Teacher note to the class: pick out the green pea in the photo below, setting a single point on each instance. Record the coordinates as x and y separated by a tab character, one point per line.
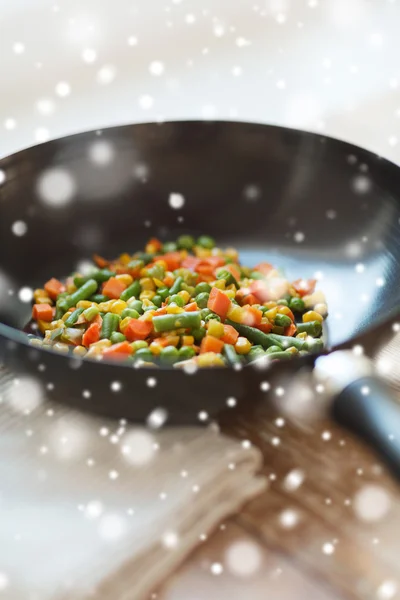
297	305
136	305
169	355
188	288
273	349
145	257
99	298
212	316
163	292
157	300
169	247
117	337
202	299
205	312
90	313
186	352
283	302
202	287
185	242
136	265
178	300
139	344
131	313
144	354
156	271
198	334
205	241
283	320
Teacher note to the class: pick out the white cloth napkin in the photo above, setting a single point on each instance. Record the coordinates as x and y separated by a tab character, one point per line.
106	510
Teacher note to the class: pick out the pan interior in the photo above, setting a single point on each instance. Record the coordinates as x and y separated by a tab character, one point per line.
314	206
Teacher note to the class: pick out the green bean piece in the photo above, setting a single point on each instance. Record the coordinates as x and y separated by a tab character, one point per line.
283	320
72	319
130	312
281	356
202	299
157	300
198	334
156	271
314	345
229	278
313	328
110	324
297	305
90	313
56	333
286	342
202	287
278	329
163	292
283	302
176	286
151	307
186	320
136	265
117	337
265	339
100	276
186	352
133	290
212	316
205	312
169	355
136	305
188	288
144	257
169	247
99	298
205	241
231	355
178	300
273	349
144	354
185	242
82	293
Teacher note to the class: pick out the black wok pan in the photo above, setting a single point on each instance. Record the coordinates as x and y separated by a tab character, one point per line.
305	202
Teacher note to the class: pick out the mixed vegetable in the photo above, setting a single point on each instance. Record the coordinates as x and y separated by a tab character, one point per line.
180	303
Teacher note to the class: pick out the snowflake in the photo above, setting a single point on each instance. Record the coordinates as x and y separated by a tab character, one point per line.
106	74
89	55
19	48
294	480
328	548
156	68
138	448
10	123
56	187
19	228
176	200
216	568
288	518
243	558
371	503
112	527
63	89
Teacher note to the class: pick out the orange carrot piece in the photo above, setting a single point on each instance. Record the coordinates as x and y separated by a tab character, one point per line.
191	307
250	299
162	341
156	243
137	330
100	261
118	350
214	261
205	269
230	335
113	288
191	262
42	312
54	287
263	268
160	311
91	335
234	270
290	330
219	303
304	286
256	315
168	280
265	327
211	344
173	260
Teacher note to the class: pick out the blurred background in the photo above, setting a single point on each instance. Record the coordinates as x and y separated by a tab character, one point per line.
324	65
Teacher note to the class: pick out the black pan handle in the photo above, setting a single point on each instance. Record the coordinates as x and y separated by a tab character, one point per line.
367	406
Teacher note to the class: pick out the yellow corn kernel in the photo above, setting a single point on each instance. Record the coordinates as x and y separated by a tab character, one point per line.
125	278
202	252
71	287
66	315
230	293
124	324
124	259
148	315
60	347
270	304
44	326
242	346
146	302
231	288
302	335
84	304
118	306
105	306
293	292
215	328
162	263
264	321
285	310
173	309
158	282
39	293
173	340
271	313
187	340
97	348
56	324
236	313
147	295
219	284
151	248
312	315
292	350
36	342
147	283
210	359
44	300
321	308
184	295
231	253
155	348
79	351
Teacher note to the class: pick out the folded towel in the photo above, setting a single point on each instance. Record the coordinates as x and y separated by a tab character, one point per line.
102	509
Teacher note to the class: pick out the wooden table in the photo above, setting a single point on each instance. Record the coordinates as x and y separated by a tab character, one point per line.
331	530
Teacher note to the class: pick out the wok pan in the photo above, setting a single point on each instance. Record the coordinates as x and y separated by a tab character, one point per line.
313	205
